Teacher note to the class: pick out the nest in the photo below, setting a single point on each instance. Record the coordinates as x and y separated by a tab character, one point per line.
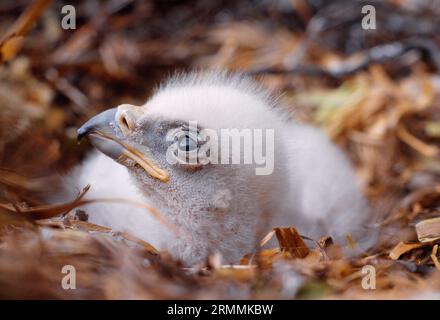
384	114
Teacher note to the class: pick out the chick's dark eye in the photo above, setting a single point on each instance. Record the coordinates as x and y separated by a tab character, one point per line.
186	143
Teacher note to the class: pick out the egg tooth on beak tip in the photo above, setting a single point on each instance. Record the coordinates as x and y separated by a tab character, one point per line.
100	132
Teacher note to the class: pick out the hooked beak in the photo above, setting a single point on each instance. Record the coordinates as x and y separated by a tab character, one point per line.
102	131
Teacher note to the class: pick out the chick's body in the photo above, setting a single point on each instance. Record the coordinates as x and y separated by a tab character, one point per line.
222	207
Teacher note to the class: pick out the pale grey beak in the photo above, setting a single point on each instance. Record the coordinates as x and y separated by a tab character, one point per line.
97	129
106	135
102	122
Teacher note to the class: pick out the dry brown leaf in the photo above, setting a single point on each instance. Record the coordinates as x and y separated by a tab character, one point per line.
8	219
10	48
264	258
267	238
11	42
428	230
290	241
48	211
11	178
417	144
91	227
332	250
237	272
350	241
325	242
403	248
434	256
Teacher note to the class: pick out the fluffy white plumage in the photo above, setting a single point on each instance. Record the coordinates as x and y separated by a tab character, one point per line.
227	208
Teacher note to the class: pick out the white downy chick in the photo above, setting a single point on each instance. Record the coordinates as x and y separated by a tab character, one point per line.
222	207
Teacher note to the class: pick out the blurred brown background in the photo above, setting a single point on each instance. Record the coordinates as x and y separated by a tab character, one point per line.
374	91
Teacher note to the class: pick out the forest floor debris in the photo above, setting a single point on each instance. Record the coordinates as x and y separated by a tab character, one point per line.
385	115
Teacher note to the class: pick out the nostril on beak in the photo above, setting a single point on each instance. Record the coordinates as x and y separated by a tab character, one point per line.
125	122
126	117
